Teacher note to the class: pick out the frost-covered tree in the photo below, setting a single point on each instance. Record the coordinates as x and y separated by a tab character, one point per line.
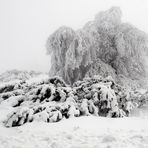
132	48
58	45
105	46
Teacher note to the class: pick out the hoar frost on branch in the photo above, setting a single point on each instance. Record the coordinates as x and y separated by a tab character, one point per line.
105	46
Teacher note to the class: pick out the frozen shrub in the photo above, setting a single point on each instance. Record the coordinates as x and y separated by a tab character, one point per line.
13	101
53	100
57	81
18	117
73	111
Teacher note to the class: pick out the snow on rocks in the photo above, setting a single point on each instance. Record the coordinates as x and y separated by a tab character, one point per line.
52	100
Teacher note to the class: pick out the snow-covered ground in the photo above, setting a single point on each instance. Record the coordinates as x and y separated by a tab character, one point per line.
80	132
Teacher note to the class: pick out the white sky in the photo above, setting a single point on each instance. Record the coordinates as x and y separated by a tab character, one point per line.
26	24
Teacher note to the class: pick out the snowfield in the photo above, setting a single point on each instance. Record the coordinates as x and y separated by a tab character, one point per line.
80	132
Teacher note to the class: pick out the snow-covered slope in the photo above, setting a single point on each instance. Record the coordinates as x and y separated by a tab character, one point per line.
17	75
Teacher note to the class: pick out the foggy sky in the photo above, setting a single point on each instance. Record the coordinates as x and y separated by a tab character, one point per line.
26	24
